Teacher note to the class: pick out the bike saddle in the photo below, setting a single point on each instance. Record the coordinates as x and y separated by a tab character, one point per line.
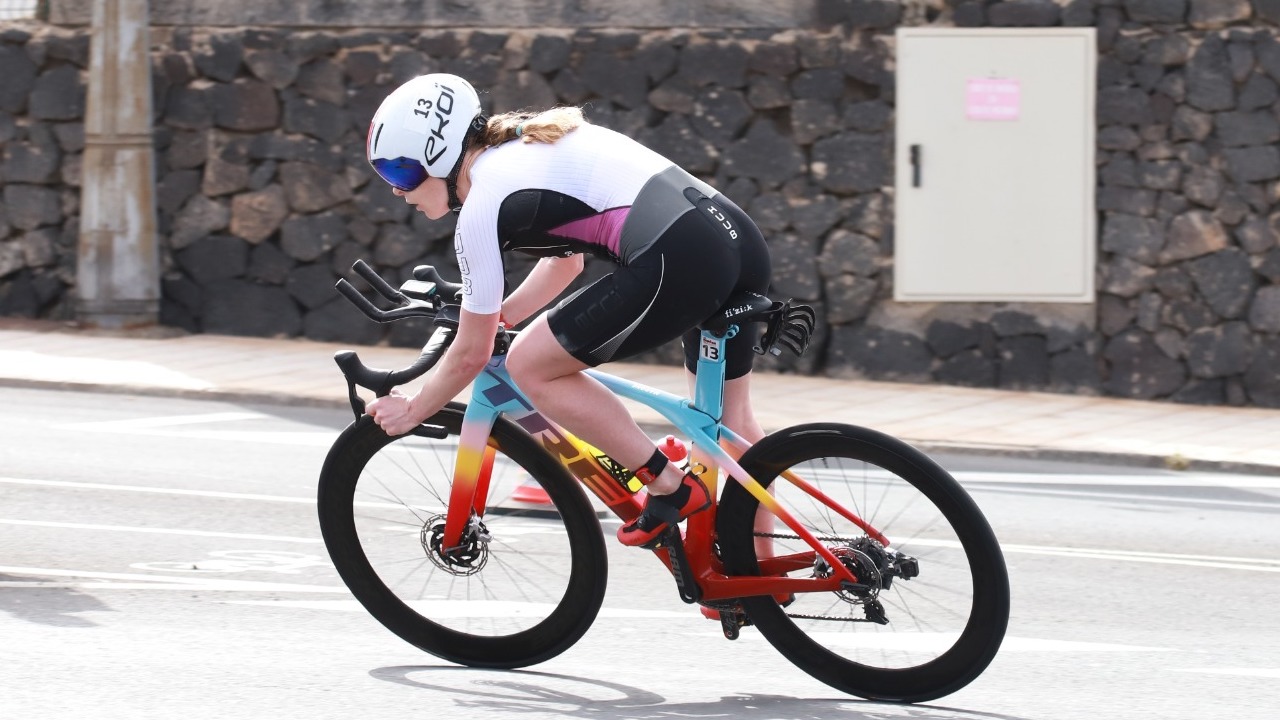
741	307
788	324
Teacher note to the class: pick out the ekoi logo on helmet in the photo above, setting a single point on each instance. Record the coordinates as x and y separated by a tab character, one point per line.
437	115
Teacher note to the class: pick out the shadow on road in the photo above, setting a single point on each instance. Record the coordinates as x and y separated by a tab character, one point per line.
514	692
47	605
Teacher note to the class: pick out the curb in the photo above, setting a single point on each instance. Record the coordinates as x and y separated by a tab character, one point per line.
1177	463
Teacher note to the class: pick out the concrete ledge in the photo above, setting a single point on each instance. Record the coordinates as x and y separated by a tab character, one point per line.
938	419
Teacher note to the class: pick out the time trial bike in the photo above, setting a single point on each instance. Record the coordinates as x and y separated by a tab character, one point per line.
875	572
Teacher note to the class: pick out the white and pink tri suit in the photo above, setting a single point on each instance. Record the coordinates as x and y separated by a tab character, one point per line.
682	249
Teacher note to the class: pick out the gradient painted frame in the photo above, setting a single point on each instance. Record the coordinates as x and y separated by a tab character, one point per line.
713	446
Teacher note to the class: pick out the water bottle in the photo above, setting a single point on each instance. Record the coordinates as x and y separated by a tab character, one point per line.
676	451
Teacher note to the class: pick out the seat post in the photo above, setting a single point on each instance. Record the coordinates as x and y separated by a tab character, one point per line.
708	388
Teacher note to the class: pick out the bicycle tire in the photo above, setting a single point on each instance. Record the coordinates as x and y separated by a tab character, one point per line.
953	614
375	502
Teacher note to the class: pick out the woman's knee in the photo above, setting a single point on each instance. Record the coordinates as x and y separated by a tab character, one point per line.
537	358
522	358
518	365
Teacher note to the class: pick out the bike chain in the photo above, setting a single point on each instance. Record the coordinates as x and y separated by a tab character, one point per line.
780	536
828	617
800	616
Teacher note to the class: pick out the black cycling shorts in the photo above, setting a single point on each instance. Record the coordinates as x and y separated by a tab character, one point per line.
703	258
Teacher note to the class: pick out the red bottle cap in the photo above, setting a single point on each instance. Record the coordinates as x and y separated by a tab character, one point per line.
673	447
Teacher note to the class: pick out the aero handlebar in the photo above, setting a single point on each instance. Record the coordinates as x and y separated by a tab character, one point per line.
423	296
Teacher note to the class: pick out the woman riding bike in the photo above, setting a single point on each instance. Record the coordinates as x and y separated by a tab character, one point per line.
552	185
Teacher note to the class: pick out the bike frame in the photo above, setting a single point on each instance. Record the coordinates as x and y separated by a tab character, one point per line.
713	445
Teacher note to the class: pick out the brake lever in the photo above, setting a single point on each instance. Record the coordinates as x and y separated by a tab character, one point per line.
434	432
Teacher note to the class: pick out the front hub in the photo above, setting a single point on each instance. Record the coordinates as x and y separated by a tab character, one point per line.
471	553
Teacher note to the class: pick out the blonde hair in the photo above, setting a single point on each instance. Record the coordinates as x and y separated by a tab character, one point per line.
547	126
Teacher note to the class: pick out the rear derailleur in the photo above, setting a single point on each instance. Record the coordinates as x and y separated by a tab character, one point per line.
875	566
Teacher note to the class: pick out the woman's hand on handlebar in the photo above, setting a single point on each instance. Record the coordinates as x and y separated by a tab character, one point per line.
465	357
394	413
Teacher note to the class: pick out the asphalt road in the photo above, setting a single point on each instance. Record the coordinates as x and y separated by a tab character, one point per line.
161	558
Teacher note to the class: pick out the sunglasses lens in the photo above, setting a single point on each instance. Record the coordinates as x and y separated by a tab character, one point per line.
401	173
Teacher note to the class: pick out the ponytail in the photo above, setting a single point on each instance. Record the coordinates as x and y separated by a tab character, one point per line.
547	126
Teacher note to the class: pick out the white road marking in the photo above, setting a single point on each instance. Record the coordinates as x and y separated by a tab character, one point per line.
96	370
1250	504
1206	561
1153	480
1203	561
935	643
235	561
205	493
175	426
1243	672
932	643
159	531
1033	484
1023	644
442	609
159	490
134	424
152	582
316	438
172	427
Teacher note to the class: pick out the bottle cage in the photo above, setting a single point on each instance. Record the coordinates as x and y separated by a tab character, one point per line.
788	325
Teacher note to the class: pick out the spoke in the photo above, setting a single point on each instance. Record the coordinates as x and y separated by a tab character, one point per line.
551	570
395	498
821	509
368	519
906	610
410	571
915	592
415	479
519	581
918	533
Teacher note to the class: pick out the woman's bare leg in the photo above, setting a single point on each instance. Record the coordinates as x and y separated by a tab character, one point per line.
740	417
554	381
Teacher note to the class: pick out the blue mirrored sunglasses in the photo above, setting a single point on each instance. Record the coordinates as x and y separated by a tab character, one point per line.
402	173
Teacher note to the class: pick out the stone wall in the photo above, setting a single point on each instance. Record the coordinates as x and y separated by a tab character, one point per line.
265	199
463	13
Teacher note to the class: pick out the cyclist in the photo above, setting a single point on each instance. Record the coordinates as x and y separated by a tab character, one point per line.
553	185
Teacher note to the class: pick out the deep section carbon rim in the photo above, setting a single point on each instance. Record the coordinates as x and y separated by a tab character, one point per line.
525	583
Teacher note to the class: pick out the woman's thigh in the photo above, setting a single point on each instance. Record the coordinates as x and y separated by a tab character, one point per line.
536	355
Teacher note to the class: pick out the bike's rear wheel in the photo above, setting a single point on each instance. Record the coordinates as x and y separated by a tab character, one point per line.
941	627
520	597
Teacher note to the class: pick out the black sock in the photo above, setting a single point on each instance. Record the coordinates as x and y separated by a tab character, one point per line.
676	499
656	464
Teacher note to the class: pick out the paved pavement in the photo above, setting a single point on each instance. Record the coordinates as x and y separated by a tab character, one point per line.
934	417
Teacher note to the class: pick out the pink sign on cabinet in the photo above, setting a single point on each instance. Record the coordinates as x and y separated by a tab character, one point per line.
992	99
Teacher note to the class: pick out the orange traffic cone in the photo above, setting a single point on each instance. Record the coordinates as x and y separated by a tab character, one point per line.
532	493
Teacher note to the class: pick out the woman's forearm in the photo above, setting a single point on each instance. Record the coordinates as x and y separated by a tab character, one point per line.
547	280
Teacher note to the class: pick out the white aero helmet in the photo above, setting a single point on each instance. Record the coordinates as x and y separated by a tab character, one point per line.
422	129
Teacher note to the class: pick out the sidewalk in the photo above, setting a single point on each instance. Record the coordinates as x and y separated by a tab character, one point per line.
934	417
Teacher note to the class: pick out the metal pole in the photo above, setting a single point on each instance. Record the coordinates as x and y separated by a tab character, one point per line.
118	275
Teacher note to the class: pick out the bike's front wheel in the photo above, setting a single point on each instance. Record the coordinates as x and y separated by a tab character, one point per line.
527	580
932	604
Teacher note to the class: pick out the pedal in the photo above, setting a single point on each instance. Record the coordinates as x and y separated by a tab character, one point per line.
729	613
729	625
685	582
